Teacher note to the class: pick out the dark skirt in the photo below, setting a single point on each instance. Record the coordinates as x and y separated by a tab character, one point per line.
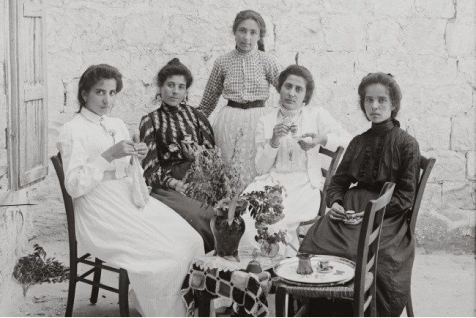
197	215
396	250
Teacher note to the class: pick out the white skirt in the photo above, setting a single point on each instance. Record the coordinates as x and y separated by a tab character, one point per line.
235	130
301	203
155	245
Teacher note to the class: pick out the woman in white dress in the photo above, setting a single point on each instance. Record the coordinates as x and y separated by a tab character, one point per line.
153	243
287	142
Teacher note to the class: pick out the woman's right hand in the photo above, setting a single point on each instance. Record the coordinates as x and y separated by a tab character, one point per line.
337	212
279	131
123	148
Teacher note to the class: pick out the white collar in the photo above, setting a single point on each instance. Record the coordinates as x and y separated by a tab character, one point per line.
92	117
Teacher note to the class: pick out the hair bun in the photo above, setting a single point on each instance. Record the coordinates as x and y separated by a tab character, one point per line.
174	61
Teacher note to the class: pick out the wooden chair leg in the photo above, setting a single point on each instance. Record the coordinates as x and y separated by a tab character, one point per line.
123	293
96	279
282	302
73	274
410	307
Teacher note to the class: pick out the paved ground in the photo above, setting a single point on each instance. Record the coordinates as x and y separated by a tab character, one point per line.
443	284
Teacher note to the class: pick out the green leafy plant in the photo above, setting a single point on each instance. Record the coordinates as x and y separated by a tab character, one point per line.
216	182
37	268
266	206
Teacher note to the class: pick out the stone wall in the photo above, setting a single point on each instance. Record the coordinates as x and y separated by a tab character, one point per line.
428	45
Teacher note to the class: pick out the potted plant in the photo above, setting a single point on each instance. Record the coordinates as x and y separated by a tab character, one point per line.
218	183
269	242
266	208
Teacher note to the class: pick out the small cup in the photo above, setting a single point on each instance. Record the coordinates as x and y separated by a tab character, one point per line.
323	265
304	265
349	215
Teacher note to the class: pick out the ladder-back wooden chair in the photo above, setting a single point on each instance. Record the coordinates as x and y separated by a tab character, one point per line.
362	290
327	174
426	165
97	265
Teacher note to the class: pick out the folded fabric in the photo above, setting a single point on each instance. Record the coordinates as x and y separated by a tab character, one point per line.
140	192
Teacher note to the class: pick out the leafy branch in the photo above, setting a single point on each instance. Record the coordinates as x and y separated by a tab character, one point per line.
37	268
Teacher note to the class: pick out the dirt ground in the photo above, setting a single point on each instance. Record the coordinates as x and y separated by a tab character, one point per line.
442	284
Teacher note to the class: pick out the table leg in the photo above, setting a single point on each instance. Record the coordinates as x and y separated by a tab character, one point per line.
204	303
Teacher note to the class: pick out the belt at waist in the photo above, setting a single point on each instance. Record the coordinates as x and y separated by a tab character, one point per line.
247	105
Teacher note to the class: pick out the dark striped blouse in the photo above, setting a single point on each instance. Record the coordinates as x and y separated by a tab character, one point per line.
163	130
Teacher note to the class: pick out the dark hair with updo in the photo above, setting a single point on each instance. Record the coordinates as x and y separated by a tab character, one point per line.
250	14
300	71
386	80
93	75
174	67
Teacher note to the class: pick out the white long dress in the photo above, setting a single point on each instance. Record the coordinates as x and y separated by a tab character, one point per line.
297	170
155	244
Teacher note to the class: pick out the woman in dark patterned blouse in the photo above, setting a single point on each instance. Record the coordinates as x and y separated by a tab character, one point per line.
172	132
383	153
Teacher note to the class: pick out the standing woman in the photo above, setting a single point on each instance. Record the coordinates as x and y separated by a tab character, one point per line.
243	76
172	133
150	241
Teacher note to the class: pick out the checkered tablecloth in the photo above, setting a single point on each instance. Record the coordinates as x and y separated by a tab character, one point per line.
245	289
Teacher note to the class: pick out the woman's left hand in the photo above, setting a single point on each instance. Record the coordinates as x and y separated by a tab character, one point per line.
140	147
315	140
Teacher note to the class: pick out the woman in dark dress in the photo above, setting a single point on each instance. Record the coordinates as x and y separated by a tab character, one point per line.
383	153
172	133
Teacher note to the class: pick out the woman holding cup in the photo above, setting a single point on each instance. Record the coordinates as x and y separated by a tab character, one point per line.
287	142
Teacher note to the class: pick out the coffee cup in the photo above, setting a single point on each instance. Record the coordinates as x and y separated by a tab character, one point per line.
349	215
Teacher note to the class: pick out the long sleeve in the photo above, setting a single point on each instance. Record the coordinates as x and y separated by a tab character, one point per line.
265	154
336	135
155	175
272	71
213	89
405	187
82	173
342	179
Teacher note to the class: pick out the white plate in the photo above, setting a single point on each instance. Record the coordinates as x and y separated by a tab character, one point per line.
343	270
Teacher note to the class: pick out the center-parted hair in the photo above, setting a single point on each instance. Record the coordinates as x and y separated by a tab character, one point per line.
174	67
253	15
93	75
300	71
386	80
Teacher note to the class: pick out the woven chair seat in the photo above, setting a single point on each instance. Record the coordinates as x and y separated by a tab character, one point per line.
340	291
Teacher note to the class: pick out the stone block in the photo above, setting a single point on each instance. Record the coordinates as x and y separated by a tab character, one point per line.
431	197
391	8
460	37
444	9
471	165
463	132
431	132
450	165
384	35
458	195
344	32
438	100
467	68
425	36
309	27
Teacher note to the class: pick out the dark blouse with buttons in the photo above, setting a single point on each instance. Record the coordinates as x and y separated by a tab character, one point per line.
163	130
384	153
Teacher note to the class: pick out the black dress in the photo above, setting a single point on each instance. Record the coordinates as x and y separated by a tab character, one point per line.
163	130
383	153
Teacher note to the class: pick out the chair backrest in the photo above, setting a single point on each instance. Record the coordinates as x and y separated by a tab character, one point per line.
426	165
329	173
68	205
367	251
